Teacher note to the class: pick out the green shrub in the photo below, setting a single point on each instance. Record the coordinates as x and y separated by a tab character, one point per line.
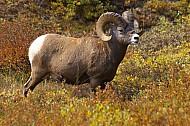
165	34
152	10
81	9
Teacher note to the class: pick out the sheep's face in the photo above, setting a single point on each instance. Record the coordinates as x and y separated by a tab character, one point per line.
126	35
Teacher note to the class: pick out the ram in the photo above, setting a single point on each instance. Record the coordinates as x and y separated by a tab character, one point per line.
91	60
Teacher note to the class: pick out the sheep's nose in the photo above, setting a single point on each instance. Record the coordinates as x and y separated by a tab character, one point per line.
135	38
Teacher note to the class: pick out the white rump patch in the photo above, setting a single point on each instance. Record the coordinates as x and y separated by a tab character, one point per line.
35	47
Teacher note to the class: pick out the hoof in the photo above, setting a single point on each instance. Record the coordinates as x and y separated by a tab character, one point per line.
25	92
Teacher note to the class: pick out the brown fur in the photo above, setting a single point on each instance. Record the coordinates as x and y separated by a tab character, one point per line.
80	60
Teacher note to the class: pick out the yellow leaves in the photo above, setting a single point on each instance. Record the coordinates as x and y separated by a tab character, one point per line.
78	3
163	67
99	107
149	61
88	114
52	104
67	109
2	93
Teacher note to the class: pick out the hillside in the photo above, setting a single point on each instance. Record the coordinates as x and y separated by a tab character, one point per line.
151	86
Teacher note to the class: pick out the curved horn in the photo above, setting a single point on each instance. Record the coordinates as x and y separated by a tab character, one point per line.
107	18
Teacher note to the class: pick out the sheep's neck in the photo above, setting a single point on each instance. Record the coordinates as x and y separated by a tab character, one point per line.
117	51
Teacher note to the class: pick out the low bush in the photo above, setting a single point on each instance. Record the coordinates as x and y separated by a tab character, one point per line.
164	34
14	45
158	85
16	37
166	67
151	86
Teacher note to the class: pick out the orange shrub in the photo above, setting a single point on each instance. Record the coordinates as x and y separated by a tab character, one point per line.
15	40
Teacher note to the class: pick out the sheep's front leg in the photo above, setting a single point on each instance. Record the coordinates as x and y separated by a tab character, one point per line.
102	86
94	82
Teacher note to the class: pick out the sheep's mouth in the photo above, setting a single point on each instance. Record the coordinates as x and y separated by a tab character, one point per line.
134	42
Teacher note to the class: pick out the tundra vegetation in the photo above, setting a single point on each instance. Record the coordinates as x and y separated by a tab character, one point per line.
151	86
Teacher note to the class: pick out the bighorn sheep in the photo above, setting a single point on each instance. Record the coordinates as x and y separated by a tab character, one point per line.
82	60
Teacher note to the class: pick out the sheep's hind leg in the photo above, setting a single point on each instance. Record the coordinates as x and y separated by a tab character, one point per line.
25	87
33	81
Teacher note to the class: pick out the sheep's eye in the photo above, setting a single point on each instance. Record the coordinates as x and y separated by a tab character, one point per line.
120	29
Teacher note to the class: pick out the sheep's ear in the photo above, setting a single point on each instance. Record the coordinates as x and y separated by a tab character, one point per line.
136	24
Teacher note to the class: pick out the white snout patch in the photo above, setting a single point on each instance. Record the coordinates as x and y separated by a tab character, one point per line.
35	47
135	39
